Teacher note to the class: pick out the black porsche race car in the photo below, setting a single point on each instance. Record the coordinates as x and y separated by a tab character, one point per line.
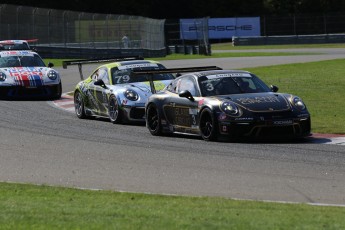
226	103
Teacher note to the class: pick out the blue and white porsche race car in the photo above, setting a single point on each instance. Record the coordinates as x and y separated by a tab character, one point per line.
24	75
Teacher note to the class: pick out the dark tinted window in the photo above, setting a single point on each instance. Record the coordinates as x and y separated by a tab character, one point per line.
21	61
231	83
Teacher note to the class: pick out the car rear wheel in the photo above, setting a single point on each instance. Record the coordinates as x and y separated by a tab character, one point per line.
114	111
208	125
153	120
79	105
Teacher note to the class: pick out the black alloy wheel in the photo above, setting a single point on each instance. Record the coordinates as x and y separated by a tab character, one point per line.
153	120
208	125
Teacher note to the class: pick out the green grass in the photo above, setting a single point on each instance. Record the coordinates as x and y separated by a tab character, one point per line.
44	207
319	84
58	62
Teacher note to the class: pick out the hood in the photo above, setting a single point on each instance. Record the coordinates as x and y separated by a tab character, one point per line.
25	76
260	102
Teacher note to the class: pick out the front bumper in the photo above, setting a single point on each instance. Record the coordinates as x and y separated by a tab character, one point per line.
286	128
134	114
21	92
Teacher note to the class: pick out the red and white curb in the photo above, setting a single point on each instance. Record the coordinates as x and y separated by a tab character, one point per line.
66	103
324	138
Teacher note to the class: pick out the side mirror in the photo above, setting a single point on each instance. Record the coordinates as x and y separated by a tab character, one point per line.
50	65
274	88
100	83
186	94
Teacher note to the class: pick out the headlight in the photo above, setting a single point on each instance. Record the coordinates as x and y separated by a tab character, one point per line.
298	103
230	108
52	74
131	95
2	76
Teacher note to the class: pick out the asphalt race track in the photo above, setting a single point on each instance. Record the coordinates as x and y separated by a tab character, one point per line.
43	144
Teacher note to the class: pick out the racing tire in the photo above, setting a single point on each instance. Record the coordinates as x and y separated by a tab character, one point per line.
208	125
153	120
79	105
58	92
115	115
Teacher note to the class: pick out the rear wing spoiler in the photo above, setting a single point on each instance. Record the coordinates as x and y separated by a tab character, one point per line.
172	70
80	63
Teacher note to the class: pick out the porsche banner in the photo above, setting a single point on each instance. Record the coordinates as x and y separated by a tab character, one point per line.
221	28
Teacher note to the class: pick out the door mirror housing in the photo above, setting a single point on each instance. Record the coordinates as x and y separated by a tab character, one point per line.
186	94
100	83
274	88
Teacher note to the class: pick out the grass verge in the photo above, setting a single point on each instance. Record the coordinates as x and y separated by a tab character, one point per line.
319	84
43	207
58	62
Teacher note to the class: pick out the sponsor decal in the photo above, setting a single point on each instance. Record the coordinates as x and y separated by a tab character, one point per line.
132	66
228	75
27	76
222	116
193	111
218	28
282	122
201	102
245	119
16	53
256	100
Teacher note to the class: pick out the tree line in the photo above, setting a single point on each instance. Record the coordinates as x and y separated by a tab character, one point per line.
175	9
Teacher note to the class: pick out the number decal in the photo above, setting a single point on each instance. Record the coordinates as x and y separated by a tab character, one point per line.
123	79
193	120
209	87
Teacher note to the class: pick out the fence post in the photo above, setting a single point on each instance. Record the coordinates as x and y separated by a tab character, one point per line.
325	23
17	26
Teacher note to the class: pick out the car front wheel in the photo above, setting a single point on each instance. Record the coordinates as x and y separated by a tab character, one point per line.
208	125
79	105
153	121
114	111
57	92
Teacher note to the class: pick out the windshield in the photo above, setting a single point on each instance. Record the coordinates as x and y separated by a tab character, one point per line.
21	61
223	84
22	46
123	76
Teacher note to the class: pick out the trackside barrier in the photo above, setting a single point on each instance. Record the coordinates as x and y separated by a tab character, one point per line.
284	40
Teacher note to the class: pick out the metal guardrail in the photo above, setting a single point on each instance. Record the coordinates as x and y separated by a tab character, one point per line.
293	39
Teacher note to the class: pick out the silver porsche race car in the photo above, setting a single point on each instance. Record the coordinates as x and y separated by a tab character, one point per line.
112	91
